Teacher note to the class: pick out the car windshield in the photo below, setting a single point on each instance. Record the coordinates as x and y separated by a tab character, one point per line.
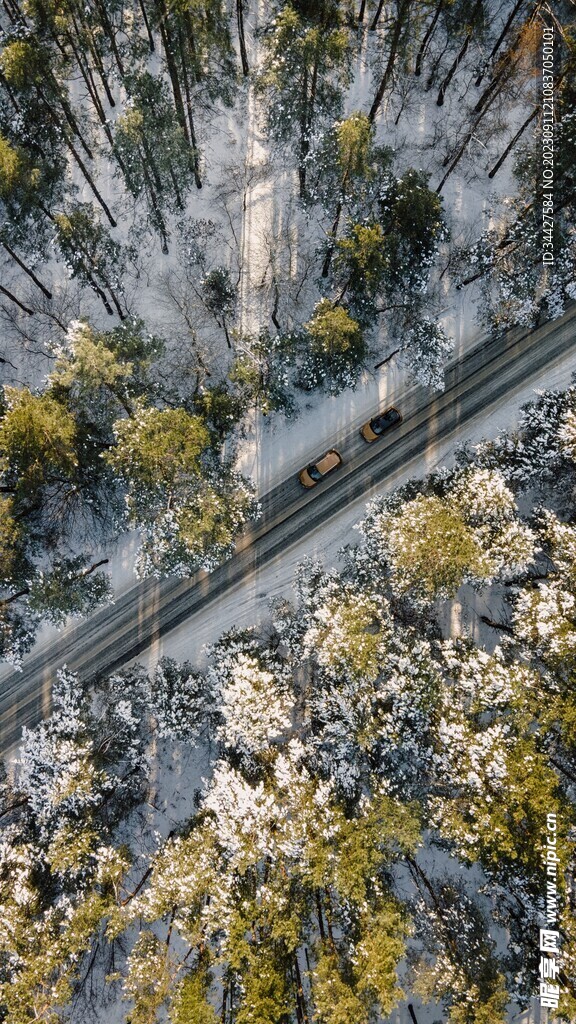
386	420
314	473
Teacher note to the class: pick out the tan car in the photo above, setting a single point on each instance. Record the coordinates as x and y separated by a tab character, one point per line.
316	471
377	426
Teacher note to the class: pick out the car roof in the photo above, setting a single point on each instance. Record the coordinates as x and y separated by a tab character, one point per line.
329	461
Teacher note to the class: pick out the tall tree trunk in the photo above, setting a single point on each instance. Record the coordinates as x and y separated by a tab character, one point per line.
241	37
84	43
307	119
427	37
361	12
87	263
477	8
172	69
504	627
92	568
14	13
329	918
69	116
507	241
497	82
102	74
136	890
454	161
188	128
195	167
303	127
303	1016
418	874
499	41
9	295
75	127
194	61
155	205
310	110
88	79
11	95
506	64
121	312
14	597
106	127
111	36
320	916
226	334
96	287
91	182
26	270
336	222
147	25
148	161
333	231
513	142
436	63
480	273
453	69
45	210
376	17
394	46
179	201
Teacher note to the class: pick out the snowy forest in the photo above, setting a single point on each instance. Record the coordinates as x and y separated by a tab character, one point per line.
345	806
142	318
214	213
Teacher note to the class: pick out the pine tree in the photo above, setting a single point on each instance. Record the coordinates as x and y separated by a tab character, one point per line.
162	172
179	700
99	374
91	255
334	347
306	65
189	505
432	543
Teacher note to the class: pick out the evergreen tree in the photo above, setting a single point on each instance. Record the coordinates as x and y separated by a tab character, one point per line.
189	505
91	255
98	375
262	371
60	494
162	172
63	873
23	188
390	253
334	348
432	544
307	63
179	700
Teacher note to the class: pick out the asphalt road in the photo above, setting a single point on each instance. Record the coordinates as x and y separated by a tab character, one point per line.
118	633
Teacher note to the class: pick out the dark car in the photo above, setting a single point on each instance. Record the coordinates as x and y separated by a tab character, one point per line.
374	429
316	471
